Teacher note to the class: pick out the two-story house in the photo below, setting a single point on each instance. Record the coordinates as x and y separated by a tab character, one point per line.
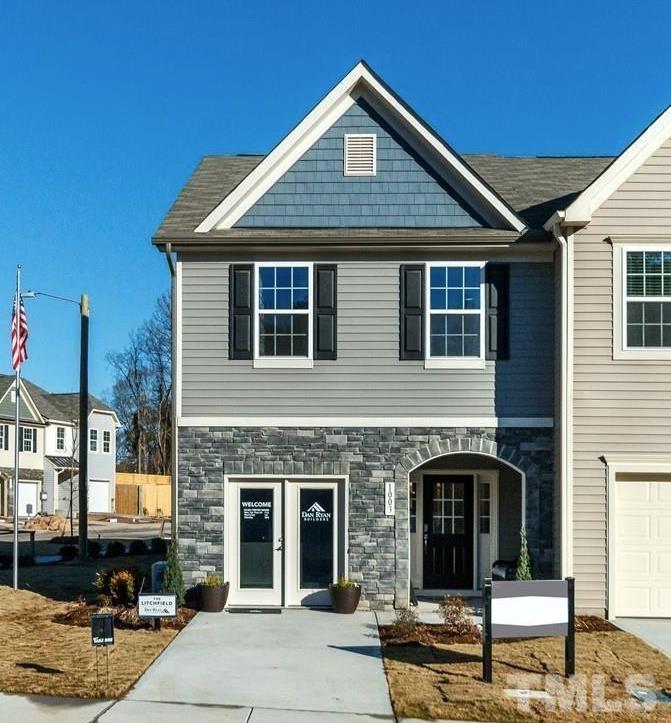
374	361
49	451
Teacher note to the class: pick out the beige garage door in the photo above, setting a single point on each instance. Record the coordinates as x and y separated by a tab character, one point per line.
642	540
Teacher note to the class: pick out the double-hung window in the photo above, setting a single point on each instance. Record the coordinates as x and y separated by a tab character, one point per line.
28	439
455	302
284	314
107	441
60	439
647	299
93	440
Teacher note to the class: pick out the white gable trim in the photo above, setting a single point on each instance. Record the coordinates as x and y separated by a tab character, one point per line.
579	213
25	395
313	126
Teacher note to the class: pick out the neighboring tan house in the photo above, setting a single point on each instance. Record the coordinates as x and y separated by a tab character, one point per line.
371	362
48	436
616	261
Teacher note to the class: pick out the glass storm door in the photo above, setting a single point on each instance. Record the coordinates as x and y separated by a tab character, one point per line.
312	542
448	532
257	541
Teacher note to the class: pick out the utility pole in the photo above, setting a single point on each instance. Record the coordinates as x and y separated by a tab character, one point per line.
84	429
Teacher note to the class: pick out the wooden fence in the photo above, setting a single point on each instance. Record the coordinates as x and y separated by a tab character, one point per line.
148	495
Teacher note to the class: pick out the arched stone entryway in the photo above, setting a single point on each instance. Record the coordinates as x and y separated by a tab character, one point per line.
475	447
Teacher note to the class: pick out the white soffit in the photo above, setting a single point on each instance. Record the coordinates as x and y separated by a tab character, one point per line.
579	213
359	81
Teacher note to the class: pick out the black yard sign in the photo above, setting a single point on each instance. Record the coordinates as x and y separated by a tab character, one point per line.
528	609
102	629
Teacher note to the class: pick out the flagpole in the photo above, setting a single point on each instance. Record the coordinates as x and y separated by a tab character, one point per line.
17	396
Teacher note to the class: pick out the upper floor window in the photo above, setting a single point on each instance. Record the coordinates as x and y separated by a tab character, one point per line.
455	304
4	436
647	294
284	312
93	440
107	441
28	439
60	439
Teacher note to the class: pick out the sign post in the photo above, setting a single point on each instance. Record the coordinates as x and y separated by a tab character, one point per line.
528	609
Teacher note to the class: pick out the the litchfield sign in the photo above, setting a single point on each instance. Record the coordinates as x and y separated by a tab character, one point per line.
315	513
156	606
528	609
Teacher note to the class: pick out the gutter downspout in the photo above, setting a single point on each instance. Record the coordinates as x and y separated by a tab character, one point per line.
563	238
173	374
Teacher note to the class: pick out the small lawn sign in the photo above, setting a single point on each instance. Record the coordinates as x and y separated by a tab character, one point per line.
151	605
528	609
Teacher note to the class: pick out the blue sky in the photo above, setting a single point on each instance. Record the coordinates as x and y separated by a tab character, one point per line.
105	109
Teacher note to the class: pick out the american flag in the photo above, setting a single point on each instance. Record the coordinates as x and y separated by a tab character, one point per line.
19	335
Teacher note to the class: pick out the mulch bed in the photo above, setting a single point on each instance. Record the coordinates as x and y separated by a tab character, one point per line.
126	618
436	634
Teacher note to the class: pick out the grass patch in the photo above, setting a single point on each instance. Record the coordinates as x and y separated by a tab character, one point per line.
431	676
41	656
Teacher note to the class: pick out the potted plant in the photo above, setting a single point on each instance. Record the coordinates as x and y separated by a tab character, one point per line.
213	593
345	595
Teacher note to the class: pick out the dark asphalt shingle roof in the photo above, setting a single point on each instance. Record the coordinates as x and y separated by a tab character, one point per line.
535	186
60	406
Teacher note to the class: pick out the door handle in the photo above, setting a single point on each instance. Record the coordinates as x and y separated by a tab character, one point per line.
280	543
426	541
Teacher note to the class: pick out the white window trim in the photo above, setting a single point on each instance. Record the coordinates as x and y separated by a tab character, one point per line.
453	362
620	348
284	362
93	429
346	138
109	441
60	449
33	439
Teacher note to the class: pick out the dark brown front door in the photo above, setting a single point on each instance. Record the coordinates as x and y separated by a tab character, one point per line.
448	532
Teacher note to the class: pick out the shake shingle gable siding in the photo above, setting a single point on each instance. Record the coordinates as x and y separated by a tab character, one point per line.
404	192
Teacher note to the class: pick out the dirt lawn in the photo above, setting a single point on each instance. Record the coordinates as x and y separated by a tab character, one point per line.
438	680
40	656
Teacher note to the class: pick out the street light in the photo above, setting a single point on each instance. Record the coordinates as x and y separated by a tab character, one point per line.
83	305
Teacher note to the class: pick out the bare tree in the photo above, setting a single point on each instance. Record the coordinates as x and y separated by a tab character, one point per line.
142	392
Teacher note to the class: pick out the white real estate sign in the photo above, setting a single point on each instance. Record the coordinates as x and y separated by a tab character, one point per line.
156	606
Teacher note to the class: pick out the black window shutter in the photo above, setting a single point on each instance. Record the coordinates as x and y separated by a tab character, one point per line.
497	297
241	312
34	440
412	312
5	436
325	311
21	439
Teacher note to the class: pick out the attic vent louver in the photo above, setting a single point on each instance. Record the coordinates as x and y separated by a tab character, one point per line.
360	154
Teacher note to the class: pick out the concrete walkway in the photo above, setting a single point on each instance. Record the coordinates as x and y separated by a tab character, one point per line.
300	665
655	631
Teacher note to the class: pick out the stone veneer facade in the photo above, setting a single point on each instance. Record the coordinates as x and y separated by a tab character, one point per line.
378	545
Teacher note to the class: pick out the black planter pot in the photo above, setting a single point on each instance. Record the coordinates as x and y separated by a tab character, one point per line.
213	597
345	599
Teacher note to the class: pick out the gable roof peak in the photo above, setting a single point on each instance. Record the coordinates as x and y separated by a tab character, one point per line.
360	80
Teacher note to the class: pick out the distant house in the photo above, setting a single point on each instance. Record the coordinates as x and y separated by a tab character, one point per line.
49	451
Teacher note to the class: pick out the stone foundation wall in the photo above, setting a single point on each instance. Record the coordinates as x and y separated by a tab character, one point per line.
378	545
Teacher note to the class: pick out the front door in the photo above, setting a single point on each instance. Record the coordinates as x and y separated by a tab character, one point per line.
256	531
448	532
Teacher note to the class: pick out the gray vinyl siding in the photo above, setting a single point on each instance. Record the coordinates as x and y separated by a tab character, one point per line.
367	378
315	193
619	405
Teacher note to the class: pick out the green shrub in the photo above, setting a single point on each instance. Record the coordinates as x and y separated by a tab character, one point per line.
523	571
68	552
158	546
344	583
138	547
174	581
117	587
115	548
94	549
213	580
